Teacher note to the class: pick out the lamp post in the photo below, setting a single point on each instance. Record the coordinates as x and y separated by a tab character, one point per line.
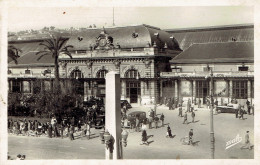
212	139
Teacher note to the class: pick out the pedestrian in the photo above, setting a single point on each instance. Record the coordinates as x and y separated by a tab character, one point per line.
193	116
247	144
49	130
188	105
241	113
71	131
190	136
192	107
62	127
176	103
253	109
208	102
150	119
248	106
162	119
137	123
169	132
236	108
180	110
185	118
170	103
88	130
156	120
144	138
199	104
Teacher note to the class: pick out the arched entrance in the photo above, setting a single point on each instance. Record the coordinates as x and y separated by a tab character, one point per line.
133	85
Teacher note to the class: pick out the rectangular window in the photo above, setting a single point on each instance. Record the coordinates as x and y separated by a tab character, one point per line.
47	85
243	68
16	86
26	87
207	69
27	71
252	89
240	89
202	89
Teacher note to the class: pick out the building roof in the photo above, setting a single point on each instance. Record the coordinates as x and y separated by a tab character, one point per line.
28	55
189	36
124	37
217	53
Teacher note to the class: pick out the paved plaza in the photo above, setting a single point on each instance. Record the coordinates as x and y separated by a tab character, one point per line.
226	128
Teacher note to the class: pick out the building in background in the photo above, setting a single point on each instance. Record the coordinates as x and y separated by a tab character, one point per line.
227	50
150	61
139	53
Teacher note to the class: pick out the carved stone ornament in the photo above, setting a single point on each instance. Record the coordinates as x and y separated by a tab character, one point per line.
104	41
89	64
63	64
117	63
147	63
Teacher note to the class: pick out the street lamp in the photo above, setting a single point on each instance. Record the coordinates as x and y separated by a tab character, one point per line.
212	139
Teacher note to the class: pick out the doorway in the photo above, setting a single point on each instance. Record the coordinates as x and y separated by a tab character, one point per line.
202	90
133	89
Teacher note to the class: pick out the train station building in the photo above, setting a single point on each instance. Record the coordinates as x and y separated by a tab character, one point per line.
153	63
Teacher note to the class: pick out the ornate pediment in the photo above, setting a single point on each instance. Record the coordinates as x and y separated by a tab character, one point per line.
104	41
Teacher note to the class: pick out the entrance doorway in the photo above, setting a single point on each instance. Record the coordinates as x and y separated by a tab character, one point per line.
133	89
202	90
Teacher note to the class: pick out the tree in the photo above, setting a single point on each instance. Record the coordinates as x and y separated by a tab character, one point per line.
55	46
13	53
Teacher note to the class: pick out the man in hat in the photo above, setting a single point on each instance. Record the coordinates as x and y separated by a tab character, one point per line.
162	119
190	136
180	110
199	104
193	116
247	142
185	118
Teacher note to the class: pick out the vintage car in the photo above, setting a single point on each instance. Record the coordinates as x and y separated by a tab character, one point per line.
100	122
131	118
231	108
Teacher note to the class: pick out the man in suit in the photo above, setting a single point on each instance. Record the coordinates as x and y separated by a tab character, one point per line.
190	136
185	118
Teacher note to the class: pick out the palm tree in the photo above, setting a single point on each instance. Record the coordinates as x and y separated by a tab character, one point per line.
13	53
55	46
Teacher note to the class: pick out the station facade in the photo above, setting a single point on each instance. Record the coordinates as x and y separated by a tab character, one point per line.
154	64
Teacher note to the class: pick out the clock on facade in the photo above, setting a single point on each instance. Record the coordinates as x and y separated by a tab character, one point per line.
102	42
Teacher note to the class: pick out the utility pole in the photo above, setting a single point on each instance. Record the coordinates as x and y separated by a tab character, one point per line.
212	139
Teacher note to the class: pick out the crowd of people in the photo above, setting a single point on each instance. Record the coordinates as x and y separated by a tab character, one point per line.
59	126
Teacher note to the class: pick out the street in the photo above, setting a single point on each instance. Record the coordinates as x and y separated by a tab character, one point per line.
226	128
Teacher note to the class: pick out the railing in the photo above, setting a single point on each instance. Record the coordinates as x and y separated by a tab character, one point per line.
200	74
115	52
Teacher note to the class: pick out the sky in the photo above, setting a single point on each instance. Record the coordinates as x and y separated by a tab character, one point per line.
25	18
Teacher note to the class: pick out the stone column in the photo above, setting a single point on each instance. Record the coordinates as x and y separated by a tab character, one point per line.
85	91
123	88
249	96
176	91
11	86
113	113
230	89
194	89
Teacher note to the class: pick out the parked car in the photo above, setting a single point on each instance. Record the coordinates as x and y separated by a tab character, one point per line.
227	109
125	102
100	122
131	117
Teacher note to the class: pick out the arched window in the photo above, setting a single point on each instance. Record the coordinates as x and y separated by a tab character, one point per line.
76	74
102	73
132	73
